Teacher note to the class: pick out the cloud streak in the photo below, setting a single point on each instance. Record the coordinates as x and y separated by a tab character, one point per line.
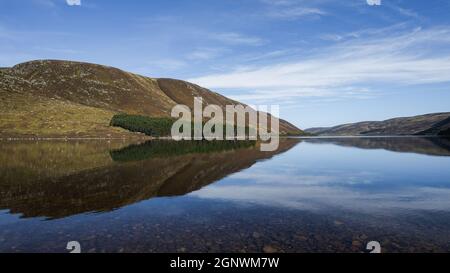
297	12
73	2
291	9
201	54
233	38
408	58
374	2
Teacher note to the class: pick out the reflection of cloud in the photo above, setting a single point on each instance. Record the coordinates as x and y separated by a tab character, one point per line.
301	180
323	197
294	187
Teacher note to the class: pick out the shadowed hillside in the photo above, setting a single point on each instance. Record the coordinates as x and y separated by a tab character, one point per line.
62	98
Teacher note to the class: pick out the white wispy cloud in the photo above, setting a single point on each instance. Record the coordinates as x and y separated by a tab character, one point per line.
406	58
374	2
408	12
279	2
205	53
45	3
54	3
233	38
292	9
338	37
297	12
73	2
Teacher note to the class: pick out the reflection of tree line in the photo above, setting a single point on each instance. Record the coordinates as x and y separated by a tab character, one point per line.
163	148
141	172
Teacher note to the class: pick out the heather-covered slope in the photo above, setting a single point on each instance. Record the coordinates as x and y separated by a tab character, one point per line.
62	98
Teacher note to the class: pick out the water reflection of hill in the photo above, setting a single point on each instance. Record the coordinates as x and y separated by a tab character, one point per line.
30	185
420	145
163	148
31	160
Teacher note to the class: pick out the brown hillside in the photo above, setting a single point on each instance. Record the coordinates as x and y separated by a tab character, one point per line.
91	94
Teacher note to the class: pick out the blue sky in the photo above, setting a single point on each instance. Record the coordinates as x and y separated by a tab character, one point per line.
325	62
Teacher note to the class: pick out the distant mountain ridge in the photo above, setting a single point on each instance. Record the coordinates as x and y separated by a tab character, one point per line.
53	98
430	124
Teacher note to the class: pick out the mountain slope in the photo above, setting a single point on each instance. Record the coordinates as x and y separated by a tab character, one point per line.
431	124
79	99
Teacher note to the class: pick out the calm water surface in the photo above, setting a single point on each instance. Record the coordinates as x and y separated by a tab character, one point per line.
312	195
